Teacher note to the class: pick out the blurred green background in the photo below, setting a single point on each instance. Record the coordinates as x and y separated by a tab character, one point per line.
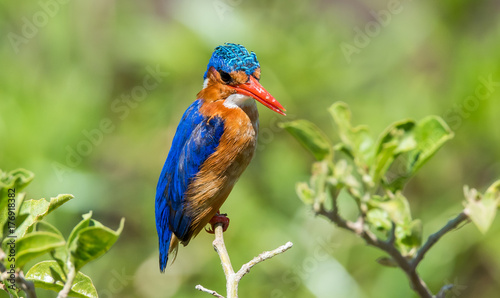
67	66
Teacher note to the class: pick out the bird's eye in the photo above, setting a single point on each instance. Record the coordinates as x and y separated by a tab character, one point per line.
226	78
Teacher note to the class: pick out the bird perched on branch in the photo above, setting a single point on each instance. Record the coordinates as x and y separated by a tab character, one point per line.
213	144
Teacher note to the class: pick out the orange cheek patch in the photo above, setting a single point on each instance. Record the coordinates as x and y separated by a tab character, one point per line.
239	77
256	74
215	90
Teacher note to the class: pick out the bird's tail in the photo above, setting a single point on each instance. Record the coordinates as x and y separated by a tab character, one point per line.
164	243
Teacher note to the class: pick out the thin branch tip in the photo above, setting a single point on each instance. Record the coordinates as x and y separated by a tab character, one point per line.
261	258
211	292
64	293
434	238
232	278
444	290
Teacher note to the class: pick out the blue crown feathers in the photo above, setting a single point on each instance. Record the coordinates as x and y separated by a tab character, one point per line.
233	57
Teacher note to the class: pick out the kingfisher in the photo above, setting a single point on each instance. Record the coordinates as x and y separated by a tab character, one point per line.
213	144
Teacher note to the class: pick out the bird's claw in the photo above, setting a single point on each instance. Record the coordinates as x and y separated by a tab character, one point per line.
218	218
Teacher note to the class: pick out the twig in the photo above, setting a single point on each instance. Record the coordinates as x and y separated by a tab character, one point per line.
69	281
211	292
444	289
392	234
27	286
452	224
260	258
232	278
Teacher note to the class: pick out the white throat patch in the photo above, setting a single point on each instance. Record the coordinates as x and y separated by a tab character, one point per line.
238	101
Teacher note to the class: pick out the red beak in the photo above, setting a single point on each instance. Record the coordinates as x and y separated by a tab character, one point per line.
254	89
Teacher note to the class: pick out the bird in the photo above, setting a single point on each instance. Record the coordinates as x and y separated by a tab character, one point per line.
212	146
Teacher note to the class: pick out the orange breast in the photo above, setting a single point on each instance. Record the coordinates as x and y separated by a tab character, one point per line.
219	173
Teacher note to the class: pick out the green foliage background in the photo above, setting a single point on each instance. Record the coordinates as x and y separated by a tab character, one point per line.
63	80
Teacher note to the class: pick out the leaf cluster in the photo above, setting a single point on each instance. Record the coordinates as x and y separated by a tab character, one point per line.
374	171
23	222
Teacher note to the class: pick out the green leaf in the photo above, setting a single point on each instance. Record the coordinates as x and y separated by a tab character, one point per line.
383	160
493	192
379	219
482	208
311	137
7	212
393	141
17	179
430	134
60	254
416	144
12	292
342	117
319	176
357	139
387	261
43	226
305	193
395	132
383	211
341	147
35	244
85	222
11	185
33	211
48	275
412	234
397	207
92	242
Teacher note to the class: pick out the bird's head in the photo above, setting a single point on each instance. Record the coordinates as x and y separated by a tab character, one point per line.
233	75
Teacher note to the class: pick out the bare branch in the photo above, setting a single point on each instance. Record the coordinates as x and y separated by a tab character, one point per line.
211	292
232	278
69	281
452	224
27	286
260	258
338	220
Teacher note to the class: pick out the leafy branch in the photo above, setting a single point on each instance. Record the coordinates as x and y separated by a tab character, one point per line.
409	266
26	236
373	173
233	278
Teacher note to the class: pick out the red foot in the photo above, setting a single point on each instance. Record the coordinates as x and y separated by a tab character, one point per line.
218	218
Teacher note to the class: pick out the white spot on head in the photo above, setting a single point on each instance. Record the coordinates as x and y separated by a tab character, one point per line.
238	101
205	83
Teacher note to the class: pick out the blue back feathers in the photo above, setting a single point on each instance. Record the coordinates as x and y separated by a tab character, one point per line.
233	57
196	138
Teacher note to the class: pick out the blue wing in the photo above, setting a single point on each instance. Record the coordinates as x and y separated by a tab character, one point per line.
196	138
